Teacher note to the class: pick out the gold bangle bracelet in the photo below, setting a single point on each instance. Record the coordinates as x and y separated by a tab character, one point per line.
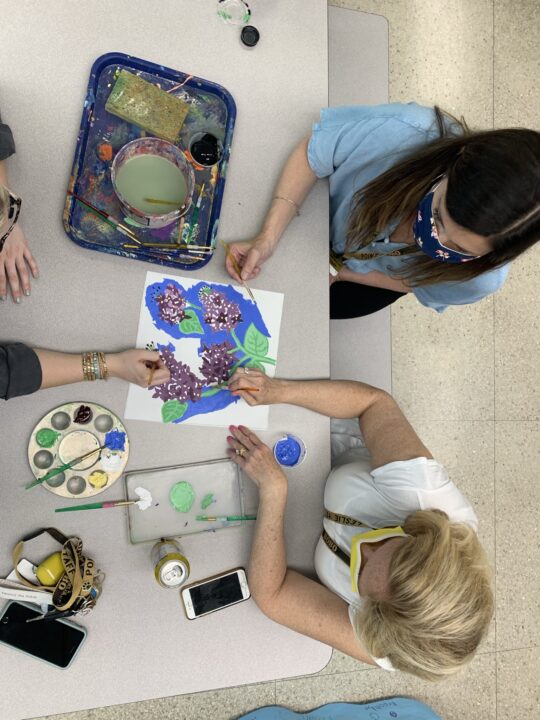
291	202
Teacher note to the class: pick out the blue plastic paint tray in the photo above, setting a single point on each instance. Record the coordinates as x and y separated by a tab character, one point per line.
102	135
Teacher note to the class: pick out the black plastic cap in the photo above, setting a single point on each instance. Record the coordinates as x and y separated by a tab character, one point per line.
250	35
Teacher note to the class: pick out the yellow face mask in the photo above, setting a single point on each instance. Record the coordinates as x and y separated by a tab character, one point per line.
373	536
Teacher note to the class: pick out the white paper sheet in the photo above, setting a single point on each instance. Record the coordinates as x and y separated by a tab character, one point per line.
141	405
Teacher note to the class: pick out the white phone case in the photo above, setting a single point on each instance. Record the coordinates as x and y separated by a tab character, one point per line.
186	592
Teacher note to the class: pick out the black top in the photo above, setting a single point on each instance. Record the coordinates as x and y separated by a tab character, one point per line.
20	370
7	144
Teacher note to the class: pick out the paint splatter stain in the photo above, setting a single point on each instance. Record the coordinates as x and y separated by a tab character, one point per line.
105	152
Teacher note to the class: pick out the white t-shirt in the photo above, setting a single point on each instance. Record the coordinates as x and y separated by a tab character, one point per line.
380	497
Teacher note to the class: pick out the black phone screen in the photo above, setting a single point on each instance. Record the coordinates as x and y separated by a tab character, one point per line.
216	594
53	641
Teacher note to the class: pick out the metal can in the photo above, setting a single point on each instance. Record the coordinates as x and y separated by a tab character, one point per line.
171	568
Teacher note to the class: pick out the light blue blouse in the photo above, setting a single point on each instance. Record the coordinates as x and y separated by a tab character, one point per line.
353	145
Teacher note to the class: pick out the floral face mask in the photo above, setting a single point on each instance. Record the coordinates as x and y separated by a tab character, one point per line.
427	237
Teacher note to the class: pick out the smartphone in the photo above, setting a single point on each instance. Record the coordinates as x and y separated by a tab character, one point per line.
54	641
215	593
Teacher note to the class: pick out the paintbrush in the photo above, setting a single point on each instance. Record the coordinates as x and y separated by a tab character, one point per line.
214	518
65	466
195	218
106	217
152	371
143	503
201	249
155	201
236	267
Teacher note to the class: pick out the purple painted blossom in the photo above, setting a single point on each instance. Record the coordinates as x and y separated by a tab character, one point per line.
219	313
183	385
171	304
217	362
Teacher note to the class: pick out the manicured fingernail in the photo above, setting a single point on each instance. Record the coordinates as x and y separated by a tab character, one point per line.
27	293
17	300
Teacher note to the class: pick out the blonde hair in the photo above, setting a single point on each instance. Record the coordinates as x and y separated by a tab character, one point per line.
441	600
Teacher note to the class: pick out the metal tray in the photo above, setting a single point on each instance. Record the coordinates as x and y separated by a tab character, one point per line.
220	477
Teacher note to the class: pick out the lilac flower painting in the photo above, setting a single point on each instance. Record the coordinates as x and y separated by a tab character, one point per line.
204	331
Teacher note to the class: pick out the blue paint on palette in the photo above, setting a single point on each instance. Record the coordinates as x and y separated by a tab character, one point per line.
231	334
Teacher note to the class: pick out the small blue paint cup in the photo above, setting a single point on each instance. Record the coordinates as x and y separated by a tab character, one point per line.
290	450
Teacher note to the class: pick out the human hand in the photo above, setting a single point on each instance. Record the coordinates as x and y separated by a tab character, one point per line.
15	259
265	390
256	459
249	256
333	278
136	365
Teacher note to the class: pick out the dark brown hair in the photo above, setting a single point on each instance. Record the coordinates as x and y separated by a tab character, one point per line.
493	190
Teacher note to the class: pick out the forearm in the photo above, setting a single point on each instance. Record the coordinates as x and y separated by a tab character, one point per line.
268	561
64	368
3	173
373	279
295	182
335	398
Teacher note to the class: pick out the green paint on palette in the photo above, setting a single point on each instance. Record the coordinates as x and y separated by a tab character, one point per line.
207	500
151	176
182	496
46	437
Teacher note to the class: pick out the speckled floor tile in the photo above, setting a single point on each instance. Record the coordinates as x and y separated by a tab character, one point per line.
217	705
517	493
518	689
517	340
516	63
466	449
442	365
443	56
468	695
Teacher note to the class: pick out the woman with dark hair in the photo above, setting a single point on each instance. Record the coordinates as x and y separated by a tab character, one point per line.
418	203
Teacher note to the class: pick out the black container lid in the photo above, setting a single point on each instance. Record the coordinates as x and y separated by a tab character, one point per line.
250	35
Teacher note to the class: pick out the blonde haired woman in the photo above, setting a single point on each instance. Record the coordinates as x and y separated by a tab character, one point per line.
407	582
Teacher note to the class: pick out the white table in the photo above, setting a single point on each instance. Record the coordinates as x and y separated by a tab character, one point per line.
139	644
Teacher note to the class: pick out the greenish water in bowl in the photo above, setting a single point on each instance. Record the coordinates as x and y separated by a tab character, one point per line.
151	176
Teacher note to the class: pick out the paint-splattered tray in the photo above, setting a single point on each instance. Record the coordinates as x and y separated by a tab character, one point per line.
102	135
69	431
218	492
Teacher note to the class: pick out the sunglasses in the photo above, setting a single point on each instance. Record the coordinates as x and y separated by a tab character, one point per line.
14	210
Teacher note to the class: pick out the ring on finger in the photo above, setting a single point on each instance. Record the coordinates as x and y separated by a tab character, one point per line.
242	452
246	370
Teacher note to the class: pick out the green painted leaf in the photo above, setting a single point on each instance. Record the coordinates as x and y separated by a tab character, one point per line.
191	324
255	364
255	343
173	410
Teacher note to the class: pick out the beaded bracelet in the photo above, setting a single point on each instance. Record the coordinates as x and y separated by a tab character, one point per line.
94	366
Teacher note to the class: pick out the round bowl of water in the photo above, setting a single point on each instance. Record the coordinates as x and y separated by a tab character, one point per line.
153	181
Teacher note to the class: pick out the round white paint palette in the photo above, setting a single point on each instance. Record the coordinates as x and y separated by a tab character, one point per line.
69	431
